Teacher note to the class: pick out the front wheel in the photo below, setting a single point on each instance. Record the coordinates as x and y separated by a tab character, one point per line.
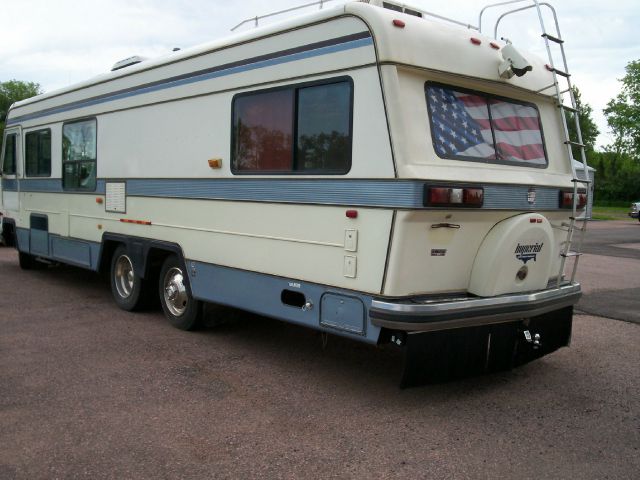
28	262
179	306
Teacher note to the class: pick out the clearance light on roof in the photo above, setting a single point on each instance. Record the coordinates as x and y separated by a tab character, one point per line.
566	200
476	41
443	196
398	23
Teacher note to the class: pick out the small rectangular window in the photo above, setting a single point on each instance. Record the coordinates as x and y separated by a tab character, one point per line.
9	166
475	126
79	152
38	153
302	129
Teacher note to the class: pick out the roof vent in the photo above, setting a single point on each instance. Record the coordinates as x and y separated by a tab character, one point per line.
127	62
395	6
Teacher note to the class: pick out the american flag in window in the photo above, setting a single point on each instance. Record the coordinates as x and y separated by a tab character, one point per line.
480	127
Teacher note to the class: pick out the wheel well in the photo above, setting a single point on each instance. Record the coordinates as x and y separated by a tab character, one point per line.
147	255
108	247
8	233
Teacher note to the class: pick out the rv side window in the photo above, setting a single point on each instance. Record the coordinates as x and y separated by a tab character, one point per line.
38	153
9	166
476	126
79	155
303	129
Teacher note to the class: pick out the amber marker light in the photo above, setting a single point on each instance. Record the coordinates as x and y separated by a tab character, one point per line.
135	222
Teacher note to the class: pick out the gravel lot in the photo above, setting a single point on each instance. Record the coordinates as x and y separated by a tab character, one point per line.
90	391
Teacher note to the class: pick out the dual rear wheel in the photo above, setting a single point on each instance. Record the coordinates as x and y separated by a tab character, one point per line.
171	286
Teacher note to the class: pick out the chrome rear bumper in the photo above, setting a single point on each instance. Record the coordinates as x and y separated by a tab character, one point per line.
427	315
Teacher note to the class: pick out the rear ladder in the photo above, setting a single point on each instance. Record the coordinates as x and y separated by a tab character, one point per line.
562	87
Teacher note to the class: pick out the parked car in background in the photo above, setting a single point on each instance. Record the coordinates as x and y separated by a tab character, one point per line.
635	210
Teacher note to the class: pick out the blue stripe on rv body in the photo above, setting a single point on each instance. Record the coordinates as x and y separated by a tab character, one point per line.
370	193
406	194
198	78
54	185
9	184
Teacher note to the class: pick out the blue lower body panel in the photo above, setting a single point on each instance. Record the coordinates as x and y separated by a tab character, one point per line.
321	307
80	253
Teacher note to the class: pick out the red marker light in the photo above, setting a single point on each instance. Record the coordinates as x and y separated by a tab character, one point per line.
473	196
454	196
351	213
438	196
398	23
476	41
495	46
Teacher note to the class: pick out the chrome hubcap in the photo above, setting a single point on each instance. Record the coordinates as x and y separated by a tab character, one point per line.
175	292
124	276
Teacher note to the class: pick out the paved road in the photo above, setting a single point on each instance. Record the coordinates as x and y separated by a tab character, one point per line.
89	391
615	239
610	270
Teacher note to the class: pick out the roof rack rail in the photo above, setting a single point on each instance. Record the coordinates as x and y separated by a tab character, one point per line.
391	5
257	18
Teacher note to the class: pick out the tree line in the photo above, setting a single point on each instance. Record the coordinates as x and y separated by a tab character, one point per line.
617	165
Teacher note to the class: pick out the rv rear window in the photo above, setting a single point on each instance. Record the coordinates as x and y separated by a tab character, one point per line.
9	166
38	153
302	129
476	126
79	155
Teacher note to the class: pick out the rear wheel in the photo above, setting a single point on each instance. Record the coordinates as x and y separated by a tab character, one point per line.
126	286
179	306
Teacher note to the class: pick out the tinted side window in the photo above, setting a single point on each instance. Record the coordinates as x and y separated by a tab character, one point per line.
9	167
38	153
305	129
263	131
324	123
79	153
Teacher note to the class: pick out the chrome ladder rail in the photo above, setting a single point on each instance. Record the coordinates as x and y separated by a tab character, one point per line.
575	222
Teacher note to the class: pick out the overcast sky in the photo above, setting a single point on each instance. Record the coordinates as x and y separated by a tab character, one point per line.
56	43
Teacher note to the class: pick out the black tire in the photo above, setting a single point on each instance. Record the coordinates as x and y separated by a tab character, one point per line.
29	262
127	287
181	309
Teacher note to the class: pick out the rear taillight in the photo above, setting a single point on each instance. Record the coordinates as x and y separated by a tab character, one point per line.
566	200
442	196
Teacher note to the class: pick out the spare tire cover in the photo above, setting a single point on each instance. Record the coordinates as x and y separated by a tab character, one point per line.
516	256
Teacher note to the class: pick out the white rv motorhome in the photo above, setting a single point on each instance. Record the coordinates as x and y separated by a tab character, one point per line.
363	170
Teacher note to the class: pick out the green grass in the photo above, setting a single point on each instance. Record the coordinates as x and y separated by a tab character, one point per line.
611	213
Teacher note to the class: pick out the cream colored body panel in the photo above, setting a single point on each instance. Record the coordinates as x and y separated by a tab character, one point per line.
189	132
305	242
415	270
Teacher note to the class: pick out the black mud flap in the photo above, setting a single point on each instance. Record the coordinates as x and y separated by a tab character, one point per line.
437	357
